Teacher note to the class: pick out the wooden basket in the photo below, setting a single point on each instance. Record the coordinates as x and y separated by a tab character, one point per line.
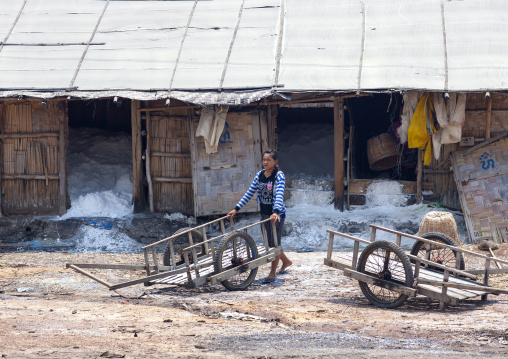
441	222
382	152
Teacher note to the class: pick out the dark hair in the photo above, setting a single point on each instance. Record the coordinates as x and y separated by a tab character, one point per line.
274	155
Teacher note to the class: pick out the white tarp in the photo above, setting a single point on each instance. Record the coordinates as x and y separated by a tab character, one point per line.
278	45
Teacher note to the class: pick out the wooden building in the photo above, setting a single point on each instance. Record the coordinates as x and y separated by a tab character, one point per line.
252	56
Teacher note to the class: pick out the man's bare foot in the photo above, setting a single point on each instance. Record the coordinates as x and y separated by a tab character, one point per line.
284	268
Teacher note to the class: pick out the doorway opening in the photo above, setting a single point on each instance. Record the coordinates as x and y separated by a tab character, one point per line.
99	159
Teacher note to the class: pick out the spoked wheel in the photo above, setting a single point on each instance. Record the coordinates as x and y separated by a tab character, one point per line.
440	255
236	249
181	242
387	261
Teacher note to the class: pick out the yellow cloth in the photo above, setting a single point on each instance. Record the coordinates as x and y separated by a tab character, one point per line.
423	125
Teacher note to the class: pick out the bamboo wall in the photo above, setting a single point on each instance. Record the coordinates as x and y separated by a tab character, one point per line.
224	177
170	172
31	160
439	173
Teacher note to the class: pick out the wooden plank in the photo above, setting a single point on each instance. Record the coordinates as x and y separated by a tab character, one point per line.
256	139
454	248
339	263
270	257
338	140
29	135
462	197
489	118
62	184
31	177
114	266
169	179
194	167
174	155
464	286
137	162
435	293
90	275
380	282
485	143
147	162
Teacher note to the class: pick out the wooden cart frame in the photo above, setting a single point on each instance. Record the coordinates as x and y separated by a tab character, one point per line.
198	268
443	283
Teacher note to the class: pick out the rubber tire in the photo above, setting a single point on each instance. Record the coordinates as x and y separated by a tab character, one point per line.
197	237
219	255
439	237
408	272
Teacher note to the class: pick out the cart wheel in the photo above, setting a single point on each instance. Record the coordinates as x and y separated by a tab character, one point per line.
440	255
236	249
385	260
180	243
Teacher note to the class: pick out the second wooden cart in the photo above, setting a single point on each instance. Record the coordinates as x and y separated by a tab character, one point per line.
388	276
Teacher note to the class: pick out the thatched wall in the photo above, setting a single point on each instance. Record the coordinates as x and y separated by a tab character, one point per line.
32	162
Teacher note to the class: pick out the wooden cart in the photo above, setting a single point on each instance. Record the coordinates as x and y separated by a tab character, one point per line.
388	276
192	260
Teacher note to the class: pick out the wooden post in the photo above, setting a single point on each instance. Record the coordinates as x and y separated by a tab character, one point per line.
489	118
444	290
338	135
137	161
147	161
486	278
419	178
62	182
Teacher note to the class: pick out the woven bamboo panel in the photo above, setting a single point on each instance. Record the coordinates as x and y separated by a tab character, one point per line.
170	134
484	181
475	124
30	155
224	177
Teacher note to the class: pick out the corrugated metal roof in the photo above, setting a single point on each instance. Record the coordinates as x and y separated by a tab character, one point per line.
158	49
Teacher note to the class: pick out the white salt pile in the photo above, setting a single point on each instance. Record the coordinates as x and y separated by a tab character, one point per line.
100	173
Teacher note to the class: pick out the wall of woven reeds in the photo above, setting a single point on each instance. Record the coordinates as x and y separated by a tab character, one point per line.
224	176
170	160
30	162
475	126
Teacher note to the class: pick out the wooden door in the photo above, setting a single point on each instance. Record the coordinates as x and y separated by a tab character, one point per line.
168	161
32	168
222	178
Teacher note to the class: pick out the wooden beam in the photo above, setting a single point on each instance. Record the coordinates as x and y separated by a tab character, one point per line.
338	139
137	162
31	177
489	118
30	135
147	162
167	154
62	184
169	179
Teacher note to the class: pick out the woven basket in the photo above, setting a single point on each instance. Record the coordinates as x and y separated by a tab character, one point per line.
441	222
382	152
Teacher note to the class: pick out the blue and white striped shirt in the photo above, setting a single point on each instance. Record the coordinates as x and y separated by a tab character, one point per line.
278	194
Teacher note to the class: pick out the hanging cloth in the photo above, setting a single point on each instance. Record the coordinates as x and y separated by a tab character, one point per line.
211	125
451	115
423	125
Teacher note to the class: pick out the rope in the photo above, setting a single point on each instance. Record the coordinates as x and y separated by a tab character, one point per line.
181	45
13	25
88	45
231	46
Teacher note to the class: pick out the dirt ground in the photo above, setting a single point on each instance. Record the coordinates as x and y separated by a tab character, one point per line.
311	312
